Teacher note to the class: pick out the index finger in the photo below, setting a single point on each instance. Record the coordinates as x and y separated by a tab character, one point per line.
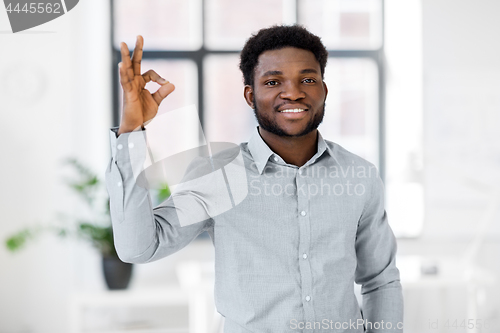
137	55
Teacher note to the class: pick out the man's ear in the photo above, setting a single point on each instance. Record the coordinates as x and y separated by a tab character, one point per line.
248	94
326	89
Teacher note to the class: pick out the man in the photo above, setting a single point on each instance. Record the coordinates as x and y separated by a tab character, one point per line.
313	220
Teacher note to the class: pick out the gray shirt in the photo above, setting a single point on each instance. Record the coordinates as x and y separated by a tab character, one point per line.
286	255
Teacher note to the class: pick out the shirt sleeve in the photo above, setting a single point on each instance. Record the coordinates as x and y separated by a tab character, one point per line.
376	270
141	233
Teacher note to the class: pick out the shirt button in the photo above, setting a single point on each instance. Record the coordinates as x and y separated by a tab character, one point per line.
275	158
308	298
120	146
303	213
119	184
131	145
304	256
301	171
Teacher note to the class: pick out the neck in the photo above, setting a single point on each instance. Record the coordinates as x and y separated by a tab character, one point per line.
294	150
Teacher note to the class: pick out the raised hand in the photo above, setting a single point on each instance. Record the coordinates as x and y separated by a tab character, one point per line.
139	105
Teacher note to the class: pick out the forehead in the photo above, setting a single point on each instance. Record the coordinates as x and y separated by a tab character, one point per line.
286	59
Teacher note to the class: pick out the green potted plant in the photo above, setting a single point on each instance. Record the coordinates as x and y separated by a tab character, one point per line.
97	230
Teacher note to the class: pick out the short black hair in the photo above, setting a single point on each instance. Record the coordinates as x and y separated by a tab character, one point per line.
275	38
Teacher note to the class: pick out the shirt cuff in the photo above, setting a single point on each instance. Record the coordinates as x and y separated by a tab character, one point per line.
123	139
130	151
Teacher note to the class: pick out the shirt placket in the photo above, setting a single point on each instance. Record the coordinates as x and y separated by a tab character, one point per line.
303	215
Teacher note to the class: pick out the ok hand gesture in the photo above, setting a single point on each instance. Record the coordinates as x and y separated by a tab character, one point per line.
139	105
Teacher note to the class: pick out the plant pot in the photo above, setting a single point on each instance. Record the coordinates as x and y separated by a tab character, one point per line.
116	272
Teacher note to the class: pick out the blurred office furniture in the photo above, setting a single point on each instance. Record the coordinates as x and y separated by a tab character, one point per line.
184	308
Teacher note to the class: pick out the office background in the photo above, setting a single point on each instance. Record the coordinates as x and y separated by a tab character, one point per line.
414	87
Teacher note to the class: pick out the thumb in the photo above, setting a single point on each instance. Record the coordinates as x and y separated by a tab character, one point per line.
163	91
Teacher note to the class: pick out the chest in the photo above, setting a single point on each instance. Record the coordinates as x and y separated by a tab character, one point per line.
283	208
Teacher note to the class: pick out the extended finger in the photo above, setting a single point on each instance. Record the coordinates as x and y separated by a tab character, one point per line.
126	62
137	55
124	79
163	92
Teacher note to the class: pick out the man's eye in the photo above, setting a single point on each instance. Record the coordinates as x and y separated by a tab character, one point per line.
271	83
309	80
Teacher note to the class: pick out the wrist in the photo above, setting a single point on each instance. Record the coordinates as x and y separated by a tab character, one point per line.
127	128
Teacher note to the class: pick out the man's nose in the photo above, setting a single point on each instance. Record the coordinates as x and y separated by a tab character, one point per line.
292	91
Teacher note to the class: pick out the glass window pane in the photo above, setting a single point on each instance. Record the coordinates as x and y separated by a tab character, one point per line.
228	118
351	111
164	24
182	73
230	23
344	24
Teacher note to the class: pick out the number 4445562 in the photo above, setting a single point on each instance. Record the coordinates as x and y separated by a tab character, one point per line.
35	8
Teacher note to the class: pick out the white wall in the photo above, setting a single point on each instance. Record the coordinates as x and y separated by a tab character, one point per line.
461	68
461	102
55	103
462	113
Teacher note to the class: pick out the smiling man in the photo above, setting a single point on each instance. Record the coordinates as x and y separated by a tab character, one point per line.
313	221
285	88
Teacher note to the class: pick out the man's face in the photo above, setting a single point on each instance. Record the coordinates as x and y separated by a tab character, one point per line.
288	94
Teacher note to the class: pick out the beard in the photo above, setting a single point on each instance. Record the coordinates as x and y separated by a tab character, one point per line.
272	126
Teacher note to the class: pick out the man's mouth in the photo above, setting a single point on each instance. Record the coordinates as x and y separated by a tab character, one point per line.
293	110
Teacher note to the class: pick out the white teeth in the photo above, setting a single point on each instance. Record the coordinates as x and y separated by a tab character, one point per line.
293	110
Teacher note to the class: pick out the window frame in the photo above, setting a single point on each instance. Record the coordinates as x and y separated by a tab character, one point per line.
197	56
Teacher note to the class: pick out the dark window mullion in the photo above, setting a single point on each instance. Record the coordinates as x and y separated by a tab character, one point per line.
199	65
114	70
